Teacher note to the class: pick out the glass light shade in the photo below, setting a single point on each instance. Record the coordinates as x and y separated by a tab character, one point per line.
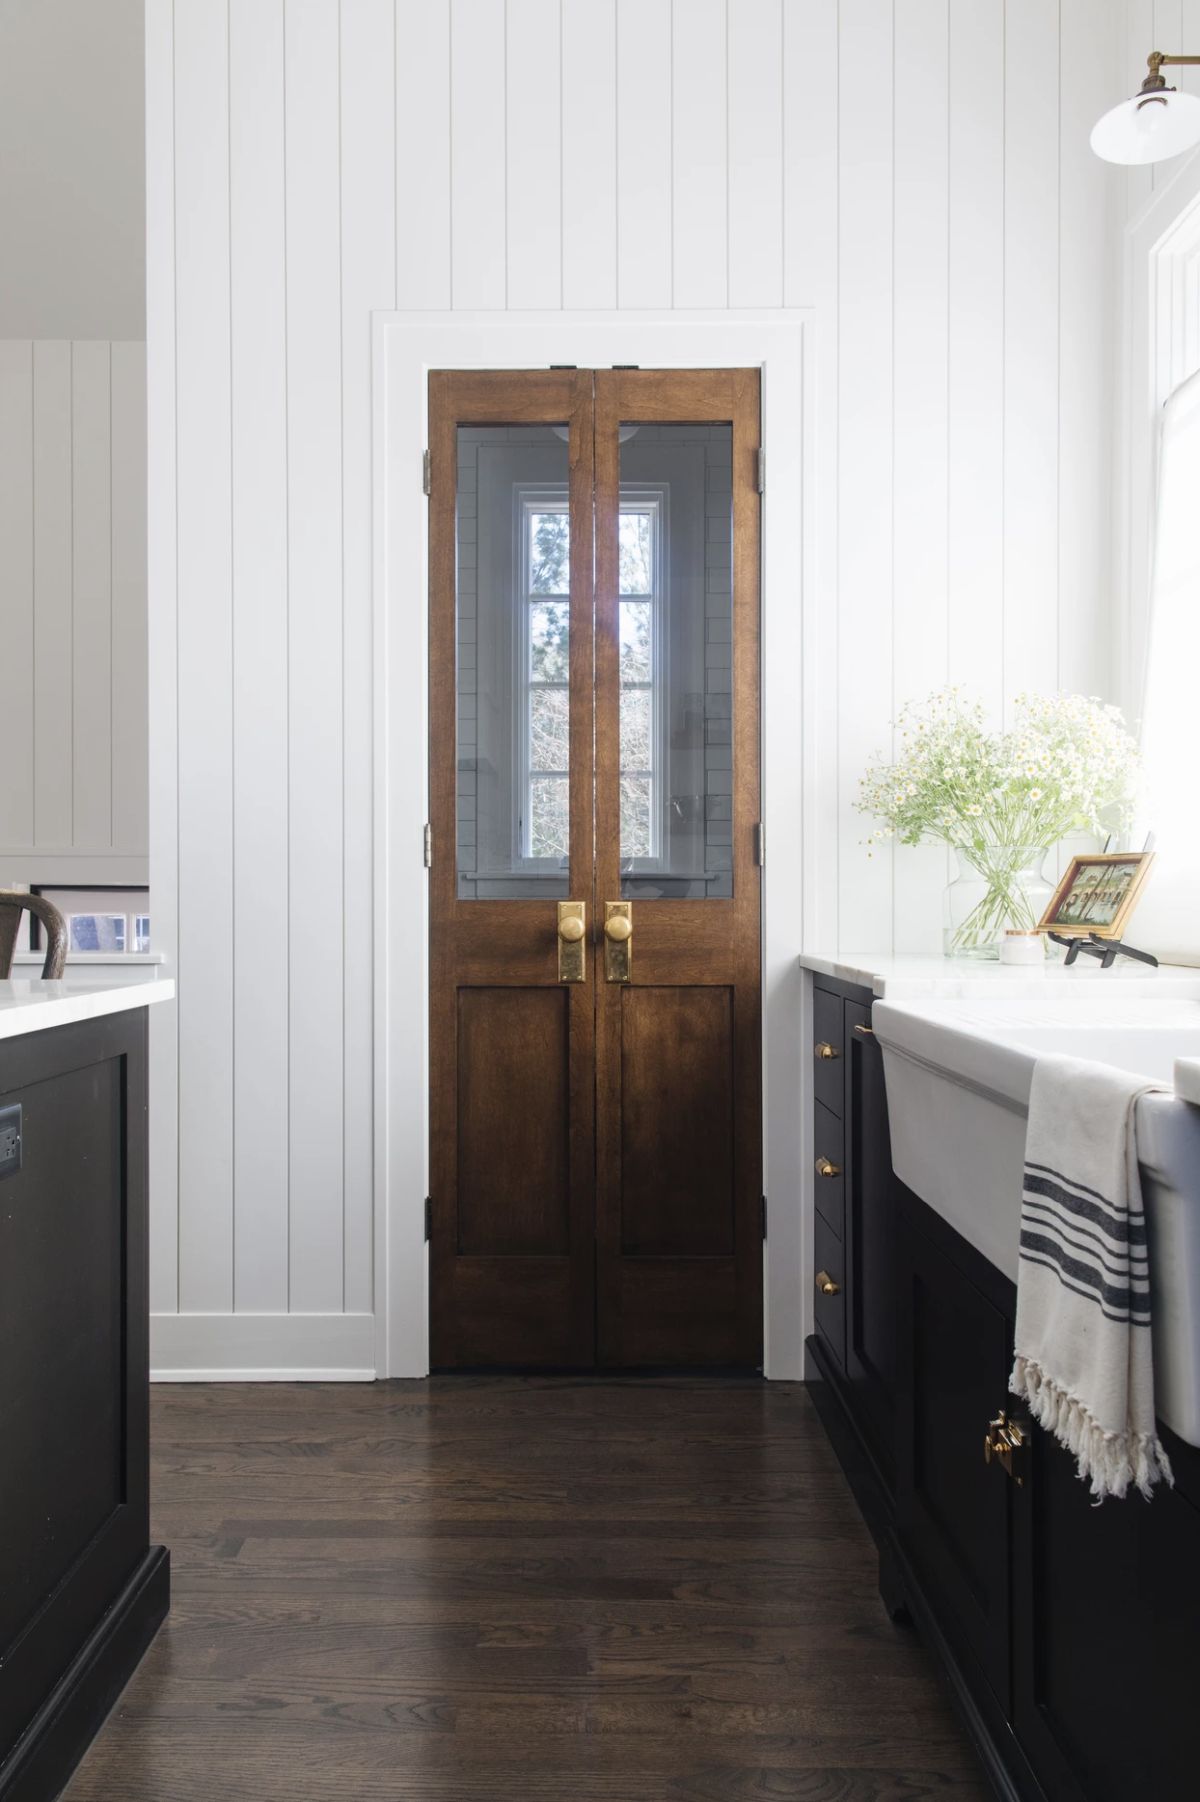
1148	127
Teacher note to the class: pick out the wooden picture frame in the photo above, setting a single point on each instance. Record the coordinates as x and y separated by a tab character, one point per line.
1097	894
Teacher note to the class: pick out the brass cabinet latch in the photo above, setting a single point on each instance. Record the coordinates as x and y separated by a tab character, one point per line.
1004	1442
572	947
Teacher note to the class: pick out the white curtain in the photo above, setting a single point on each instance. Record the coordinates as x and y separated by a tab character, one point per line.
1168	920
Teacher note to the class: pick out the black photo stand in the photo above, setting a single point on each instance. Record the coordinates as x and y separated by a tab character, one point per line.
1107	950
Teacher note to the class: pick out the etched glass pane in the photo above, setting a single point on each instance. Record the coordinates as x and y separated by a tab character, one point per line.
549	553
635	816
549	817
549	736
635	642
675	554
549	641
635	551
636	724
512	650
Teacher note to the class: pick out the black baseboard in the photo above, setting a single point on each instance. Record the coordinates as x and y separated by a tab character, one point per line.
42	1760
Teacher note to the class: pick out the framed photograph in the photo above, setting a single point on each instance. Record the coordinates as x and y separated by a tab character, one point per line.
101	918
1097	894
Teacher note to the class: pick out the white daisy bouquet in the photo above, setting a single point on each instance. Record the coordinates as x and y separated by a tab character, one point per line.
1067	765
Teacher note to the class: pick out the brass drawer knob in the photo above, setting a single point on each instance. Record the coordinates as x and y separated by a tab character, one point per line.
826	1284
825	1050
825	1168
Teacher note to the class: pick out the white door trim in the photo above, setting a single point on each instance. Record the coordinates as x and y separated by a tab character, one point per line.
797	635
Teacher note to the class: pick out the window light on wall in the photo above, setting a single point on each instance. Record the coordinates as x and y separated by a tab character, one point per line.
1170	917
1153	124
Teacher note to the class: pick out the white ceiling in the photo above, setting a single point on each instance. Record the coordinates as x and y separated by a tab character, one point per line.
72	169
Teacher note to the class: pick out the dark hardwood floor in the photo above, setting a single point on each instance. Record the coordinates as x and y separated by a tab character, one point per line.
518	1590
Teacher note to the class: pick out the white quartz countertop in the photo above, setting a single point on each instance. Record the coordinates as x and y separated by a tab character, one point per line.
943	978
30	1005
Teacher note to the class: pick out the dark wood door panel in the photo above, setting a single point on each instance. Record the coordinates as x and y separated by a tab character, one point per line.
514	1122
677	1122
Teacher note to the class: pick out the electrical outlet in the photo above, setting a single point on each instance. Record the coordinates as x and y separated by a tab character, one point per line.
10	1140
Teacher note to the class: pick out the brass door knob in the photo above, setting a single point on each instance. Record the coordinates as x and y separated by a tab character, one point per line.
826	1050
618	927
826	1284
825	1168
571	928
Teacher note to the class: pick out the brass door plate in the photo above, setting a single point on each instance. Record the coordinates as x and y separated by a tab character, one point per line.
572	941
618	940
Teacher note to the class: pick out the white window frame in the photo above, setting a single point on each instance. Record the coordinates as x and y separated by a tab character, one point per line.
636	497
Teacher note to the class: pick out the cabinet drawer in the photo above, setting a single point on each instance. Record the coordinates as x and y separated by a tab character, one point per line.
830	1310
829	1148
828	1049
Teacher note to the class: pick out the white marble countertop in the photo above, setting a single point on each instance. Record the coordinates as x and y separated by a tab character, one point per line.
907	978
30	1005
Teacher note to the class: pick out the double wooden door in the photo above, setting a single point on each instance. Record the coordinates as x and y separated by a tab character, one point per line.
595	1126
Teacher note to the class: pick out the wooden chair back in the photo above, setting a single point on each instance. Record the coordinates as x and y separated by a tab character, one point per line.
11	903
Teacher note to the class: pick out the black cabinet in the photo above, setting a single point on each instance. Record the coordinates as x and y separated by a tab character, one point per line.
1068	1632
81	1589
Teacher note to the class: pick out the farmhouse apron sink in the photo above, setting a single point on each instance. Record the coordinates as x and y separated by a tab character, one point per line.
958	1078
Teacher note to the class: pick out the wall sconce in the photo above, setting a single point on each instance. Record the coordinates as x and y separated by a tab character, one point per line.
1155	123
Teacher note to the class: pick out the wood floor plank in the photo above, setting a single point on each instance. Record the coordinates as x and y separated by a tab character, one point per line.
501	1589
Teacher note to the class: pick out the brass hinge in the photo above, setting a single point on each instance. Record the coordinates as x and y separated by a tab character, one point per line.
760	844
764	1216
428	846
762	470
428	1218
426	473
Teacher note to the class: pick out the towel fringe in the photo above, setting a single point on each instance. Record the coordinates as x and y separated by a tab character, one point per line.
1108	1461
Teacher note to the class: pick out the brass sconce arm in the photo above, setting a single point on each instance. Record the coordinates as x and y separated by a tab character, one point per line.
1155	62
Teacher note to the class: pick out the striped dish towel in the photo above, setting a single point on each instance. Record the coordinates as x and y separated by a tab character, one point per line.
1083	1362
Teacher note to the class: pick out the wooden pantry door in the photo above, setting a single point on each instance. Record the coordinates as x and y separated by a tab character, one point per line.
595	1078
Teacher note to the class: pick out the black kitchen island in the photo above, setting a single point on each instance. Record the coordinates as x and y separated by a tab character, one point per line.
82	1590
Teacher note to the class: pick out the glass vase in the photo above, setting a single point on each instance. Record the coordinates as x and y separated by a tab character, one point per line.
998	887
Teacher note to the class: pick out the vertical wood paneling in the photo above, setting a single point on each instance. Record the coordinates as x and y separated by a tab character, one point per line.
53	633
756	153
864	449
644	130
810	266
368	283
589	153
259	317
480	154
315	655
130	677
1087	275
479	190
16	589
206	773
422	176
534	124
91	595
976	350
162	640
1031	335
921	178
700	172
1139	42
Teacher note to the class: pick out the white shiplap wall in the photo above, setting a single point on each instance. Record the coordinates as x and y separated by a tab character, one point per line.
915	170
73	610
